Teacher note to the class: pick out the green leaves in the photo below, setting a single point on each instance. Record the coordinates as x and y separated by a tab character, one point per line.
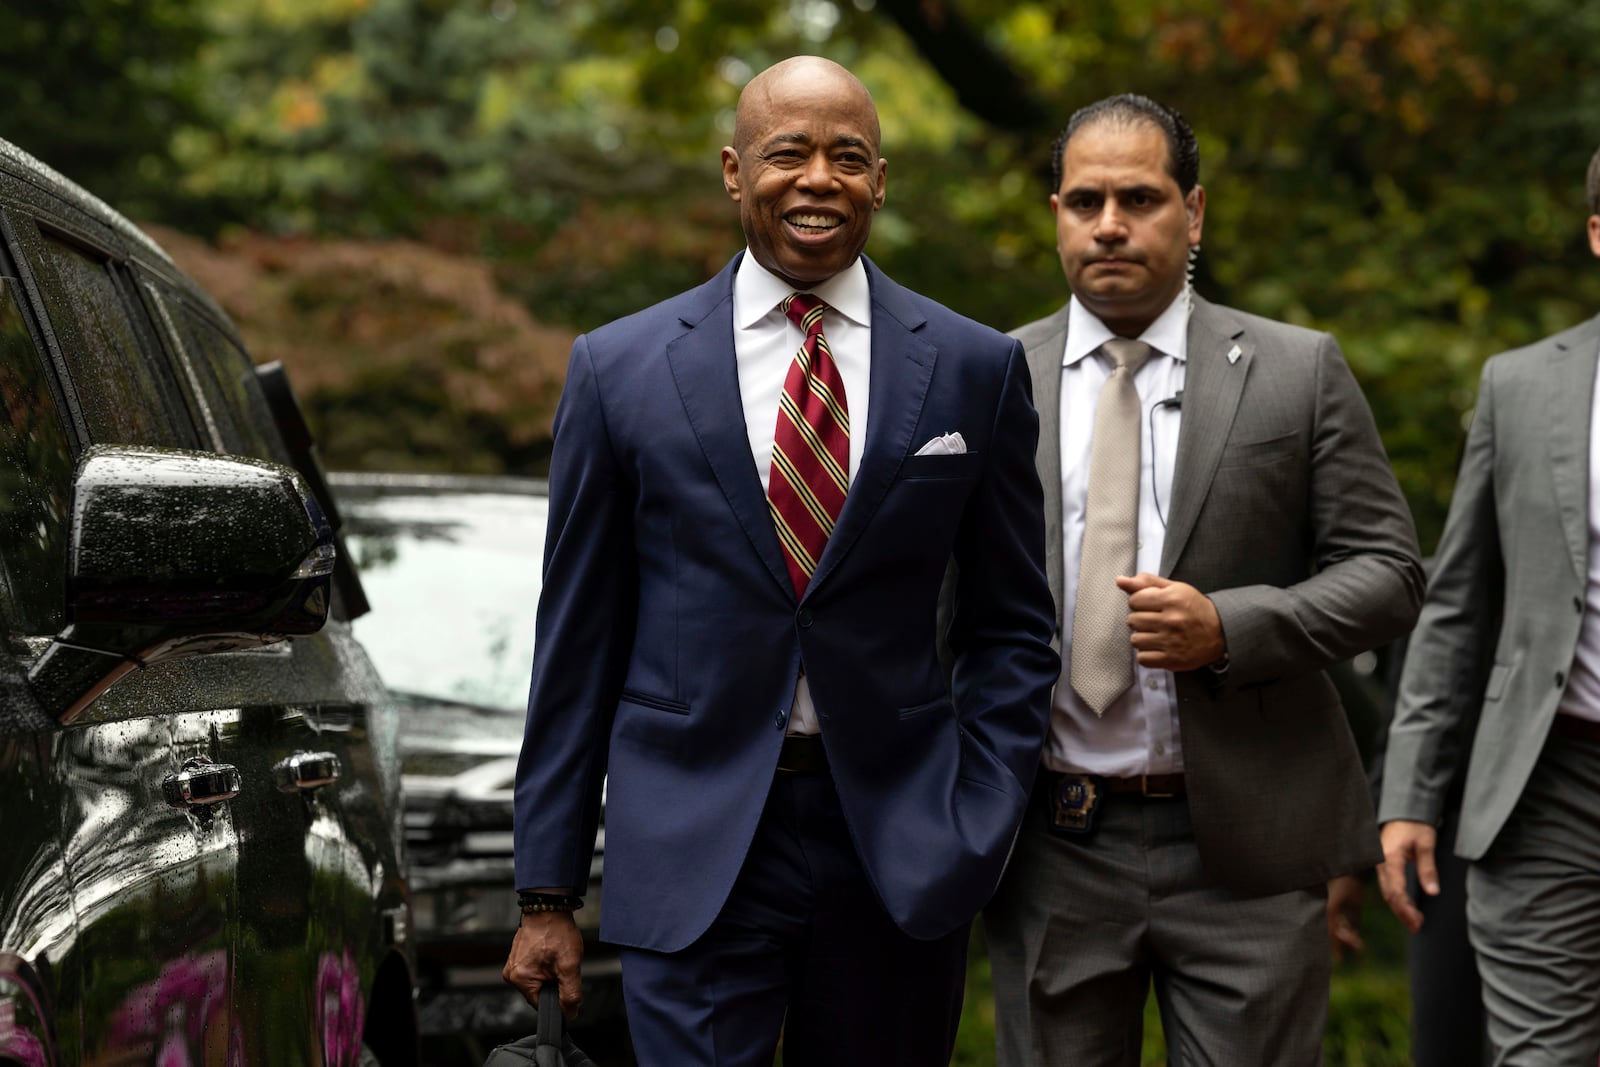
94	88
1407	175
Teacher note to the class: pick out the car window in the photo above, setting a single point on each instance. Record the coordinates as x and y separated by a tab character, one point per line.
454	585
224	378
125	393
35	479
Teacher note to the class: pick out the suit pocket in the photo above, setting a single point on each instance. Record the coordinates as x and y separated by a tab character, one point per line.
980	767
641	722
933	468
1260	453
917	711
645	700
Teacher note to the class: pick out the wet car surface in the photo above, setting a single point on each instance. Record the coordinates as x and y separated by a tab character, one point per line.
451	565
199	769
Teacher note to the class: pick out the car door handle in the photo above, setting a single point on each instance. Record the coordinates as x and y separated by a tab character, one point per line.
306	771
201	782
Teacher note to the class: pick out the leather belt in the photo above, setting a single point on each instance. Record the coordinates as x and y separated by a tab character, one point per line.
803	754
1152	786
1572	726
1149	786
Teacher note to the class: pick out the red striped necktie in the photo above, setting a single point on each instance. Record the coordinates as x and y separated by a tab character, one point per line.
811	447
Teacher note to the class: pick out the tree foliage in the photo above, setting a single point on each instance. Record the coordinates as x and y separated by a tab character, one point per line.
406	357
96	89
1407	175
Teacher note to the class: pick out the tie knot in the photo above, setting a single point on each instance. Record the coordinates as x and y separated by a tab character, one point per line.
805	311
1128	354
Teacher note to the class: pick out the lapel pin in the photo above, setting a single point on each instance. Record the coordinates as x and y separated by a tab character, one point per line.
1233	355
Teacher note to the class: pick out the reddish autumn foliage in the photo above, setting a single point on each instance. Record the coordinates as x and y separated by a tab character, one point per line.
403	355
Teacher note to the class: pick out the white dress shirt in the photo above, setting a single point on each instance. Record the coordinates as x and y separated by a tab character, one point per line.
764	344
1139	732
1582	696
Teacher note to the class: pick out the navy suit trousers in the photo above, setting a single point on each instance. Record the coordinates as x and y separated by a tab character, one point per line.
802	949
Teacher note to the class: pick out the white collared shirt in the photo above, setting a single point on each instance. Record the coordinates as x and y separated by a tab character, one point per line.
764	344
1582	695
1139	731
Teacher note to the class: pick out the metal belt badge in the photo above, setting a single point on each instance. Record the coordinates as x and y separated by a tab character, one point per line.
1074	804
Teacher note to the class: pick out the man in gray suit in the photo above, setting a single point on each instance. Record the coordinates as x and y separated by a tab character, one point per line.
1505	665
1200	783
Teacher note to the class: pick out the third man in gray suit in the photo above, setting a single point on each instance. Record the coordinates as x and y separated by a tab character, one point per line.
1222	524
1503	675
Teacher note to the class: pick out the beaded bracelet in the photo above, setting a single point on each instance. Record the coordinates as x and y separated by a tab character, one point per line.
540	903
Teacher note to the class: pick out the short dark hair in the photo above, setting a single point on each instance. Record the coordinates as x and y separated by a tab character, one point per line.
1128	109
1594	184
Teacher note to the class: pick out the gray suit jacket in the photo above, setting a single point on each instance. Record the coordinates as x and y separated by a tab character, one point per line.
1486	667
1285	512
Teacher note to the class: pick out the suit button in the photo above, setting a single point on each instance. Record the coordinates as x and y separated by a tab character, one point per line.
804	619
1561	679
779	718
1577	604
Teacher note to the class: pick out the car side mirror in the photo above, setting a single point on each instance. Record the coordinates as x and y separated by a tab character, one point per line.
175	553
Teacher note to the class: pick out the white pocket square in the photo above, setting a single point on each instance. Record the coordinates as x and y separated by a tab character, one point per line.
950	444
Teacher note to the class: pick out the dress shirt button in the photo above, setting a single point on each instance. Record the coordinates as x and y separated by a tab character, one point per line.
1161	749
1139	543
1152	682
779	718
1561	679
804	619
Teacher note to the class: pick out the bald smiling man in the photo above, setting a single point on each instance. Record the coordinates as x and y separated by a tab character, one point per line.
756	490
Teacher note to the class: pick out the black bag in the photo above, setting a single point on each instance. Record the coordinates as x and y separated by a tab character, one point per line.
550	1047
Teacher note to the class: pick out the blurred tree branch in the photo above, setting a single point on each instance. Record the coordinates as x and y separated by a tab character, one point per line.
982	78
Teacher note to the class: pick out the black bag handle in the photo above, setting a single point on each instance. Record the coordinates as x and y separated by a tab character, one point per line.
547	1051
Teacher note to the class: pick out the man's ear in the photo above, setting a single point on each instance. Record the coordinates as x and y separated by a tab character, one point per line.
1594	234
1195	205
730	172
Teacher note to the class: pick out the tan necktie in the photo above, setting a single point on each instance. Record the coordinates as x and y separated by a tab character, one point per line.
1102	659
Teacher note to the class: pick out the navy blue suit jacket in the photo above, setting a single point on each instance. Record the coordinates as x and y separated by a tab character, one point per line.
670	639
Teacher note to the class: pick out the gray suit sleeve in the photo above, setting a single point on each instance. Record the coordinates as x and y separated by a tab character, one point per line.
1366	583
1441	688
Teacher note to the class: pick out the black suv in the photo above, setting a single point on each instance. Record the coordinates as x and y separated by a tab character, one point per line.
202	818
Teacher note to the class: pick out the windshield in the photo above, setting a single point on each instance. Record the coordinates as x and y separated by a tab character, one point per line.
453	577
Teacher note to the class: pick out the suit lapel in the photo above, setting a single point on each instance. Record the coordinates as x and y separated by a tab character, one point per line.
1569	400
1044	345
902	367
706	373
1212	386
